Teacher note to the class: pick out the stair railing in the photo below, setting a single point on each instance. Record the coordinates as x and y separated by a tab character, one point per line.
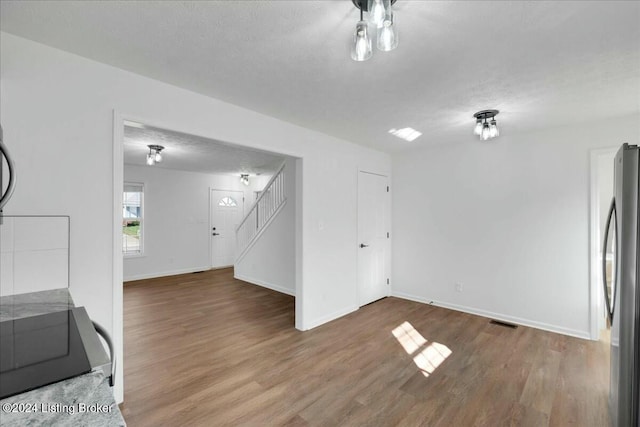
268	204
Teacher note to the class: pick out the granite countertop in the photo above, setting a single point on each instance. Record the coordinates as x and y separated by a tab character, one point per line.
81	401
85	400
34	303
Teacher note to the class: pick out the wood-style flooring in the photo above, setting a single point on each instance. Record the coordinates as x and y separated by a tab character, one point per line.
207	350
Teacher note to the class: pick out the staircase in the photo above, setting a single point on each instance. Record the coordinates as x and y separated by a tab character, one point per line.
267	206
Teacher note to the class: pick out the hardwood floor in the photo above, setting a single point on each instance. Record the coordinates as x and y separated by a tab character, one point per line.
205	349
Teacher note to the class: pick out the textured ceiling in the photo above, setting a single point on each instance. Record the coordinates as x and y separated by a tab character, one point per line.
542	63
194	153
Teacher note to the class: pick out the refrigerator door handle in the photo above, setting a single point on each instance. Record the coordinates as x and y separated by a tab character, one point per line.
112	354
610	301
4	152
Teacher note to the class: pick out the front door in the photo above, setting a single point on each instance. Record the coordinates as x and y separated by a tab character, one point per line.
226	214
373	237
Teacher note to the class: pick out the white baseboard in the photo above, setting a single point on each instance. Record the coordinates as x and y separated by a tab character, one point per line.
328	318
165	273
267	285
505	318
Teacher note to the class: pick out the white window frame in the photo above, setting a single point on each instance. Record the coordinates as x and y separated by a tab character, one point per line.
140	252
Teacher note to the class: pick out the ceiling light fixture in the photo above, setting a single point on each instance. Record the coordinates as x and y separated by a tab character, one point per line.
361	47
154	155
483	129
408	134
380	16
244	178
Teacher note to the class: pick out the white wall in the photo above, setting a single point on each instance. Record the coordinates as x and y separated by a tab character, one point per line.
507	219
57	111
270	262
176	219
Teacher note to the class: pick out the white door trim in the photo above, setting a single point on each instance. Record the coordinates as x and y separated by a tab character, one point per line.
117	323
596	300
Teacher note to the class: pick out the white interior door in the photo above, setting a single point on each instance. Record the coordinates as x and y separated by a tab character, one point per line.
373	237
226	214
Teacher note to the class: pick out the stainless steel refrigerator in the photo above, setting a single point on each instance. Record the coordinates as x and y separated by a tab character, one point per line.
622	293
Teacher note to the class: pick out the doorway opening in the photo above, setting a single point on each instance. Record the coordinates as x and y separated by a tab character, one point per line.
195	198
181	175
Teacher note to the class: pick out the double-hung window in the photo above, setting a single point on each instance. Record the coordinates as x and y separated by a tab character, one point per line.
132	218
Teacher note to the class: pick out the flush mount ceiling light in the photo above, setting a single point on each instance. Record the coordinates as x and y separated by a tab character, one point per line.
483	129
408	134
244	178
154	155
380	18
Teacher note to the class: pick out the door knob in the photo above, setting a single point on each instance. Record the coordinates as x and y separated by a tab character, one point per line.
215	234
362	245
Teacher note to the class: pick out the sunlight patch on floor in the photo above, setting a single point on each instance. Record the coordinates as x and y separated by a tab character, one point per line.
408	337
428	357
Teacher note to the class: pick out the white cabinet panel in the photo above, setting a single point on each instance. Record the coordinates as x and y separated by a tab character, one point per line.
34	254
37	233
6	274
40	270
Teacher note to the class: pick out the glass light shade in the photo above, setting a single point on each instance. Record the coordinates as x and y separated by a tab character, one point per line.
361	47
485	132
377	11
151	159
387	35
478	129
493	129
158	157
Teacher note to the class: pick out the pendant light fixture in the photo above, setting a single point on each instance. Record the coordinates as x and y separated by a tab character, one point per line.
387	37
244	178
154	155
377	11
361	47
380	18
483	129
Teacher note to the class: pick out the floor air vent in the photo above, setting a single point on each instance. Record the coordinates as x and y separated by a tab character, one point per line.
505	324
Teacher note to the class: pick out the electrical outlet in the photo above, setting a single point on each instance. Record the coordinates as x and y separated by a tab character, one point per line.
458	287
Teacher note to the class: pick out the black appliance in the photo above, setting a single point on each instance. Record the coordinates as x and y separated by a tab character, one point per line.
40	350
